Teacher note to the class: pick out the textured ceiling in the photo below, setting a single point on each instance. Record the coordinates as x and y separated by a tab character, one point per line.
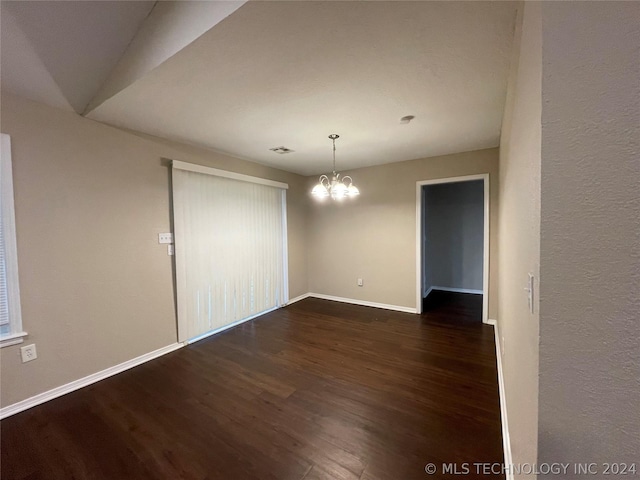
267	74
291	73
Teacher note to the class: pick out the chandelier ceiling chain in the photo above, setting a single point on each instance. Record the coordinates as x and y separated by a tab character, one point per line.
337	188
333	137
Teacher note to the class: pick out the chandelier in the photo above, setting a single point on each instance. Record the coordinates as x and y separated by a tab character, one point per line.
337	188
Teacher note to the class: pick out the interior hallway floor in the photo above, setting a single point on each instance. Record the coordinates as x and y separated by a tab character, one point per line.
453	306
316	390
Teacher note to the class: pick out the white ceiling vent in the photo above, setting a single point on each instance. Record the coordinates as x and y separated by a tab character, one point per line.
281	150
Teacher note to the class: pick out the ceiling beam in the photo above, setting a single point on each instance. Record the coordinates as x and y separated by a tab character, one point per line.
169	28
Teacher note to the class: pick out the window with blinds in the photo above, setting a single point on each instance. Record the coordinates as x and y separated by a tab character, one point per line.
10	315
230	246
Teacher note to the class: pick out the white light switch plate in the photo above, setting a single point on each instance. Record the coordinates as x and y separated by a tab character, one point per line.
165	238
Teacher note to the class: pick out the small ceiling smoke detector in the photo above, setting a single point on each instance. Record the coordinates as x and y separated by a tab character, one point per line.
407	119
281	150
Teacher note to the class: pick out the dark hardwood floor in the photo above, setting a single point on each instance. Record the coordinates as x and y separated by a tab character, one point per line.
461	307
316	390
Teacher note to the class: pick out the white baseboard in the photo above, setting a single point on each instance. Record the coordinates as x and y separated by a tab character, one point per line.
455	290
298	298
506	441
364	303
83	382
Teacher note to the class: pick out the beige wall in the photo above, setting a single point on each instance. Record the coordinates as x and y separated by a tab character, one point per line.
374	236
96	286
590	233
519	234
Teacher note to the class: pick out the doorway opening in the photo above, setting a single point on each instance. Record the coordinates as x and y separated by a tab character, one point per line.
452	247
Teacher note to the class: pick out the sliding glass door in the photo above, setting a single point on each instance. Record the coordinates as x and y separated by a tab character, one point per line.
230	243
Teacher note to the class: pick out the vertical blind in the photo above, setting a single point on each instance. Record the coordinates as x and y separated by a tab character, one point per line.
4	294
230	245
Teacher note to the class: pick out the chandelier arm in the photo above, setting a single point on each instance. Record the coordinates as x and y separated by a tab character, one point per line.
344	180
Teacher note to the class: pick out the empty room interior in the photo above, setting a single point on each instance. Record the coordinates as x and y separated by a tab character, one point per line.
302	240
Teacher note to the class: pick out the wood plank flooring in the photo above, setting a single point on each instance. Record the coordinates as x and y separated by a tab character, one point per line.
463	307
316	390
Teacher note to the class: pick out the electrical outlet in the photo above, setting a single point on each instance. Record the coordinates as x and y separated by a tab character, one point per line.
28	353
360	283
502	347
165	238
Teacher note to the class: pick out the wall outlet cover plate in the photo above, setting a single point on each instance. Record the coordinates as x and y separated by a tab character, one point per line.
28	353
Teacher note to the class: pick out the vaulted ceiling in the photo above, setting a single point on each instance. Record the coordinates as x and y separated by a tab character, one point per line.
242	78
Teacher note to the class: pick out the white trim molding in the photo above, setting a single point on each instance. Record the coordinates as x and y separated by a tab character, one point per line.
285	249
13	339
298	298
485	257
506	441
365	303
192	167
12	332
83	382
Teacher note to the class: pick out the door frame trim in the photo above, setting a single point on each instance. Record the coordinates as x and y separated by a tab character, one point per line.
485	257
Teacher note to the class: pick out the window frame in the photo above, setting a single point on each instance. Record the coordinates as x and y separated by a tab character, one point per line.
16	334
